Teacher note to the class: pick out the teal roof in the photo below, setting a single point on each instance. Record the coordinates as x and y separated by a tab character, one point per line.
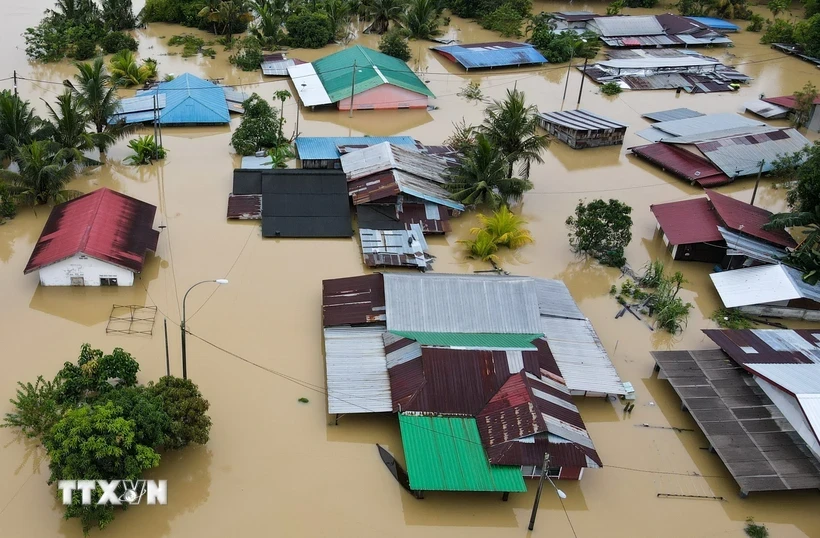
372	69
445	454
472	340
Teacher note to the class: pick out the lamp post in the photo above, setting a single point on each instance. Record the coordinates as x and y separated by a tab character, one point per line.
583	77
569	66
560	493
182	323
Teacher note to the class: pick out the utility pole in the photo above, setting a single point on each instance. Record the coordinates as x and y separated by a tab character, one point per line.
156	123
759	173
569	66
352	88
167	354
540	487
15	83
583	76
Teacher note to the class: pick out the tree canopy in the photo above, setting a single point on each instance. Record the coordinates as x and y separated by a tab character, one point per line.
602	230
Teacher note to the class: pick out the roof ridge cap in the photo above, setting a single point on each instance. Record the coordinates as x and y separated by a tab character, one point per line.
87	232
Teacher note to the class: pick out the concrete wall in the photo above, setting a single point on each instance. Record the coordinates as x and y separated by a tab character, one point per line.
773	310
90	269
385	97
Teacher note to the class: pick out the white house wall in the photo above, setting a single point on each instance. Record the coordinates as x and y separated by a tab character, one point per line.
90	269
788	405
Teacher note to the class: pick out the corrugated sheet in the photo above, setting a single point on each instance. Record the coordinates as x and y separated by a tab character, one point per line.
672	114
555	300
234	96
754	285
720	133
642	41
628	26
796	379
786	101
487	55
388	184
357	380
582	359
765	110
191	100
251	162
782	346
717	24
133	109
704	124
400	350
747	218
445	454
327	147
403	248
277	64
353	301
245	206
433	218
681	163
704	41
659	63
105	225
461	303
472	340
385	156
308	85
742	155
581	120
741	245
688	221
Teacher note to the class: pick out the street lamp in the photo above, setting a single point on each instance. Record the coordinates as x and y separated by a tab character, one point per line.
569	66
182	323
561	494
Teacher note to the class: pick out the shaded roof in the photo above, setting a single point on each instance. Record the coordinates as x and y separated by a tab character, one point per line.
697	126
353	300
736	214
742	155
385	156
496	54
628	26
399	248
782	346
765	110
682	163
390	183
357	380
676	24
761	450
372	69
445	454
688	221
555	300
717	24
461	303
762	284
672	114
741	245
105	225
432	218
785	101
327	147
191	100
580	120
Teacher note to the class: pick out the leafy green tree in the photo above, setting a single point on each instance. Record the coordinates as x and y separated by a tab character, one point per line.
18	124
505	227
755	23
614	8
36	408
72	28
694	8
512	126
463	137
778	31
338	14
393	43
144	408
602	230
114	42
145	150
505	20
270	22
803	105
186	409
777	6
96	372
249	55
381	13
280	155
259	129
118	15
44	170
309	30
422	19
126	71
807	35
611	88
560	47
282	96
68	126
483	247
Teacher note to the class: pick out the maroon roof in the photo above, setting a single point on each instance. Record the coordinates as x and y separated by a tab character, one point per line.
352	301
786	101
688	221
373	187
747	346
546	362
675	24
735	214
245	206
681	163
417	214
105	225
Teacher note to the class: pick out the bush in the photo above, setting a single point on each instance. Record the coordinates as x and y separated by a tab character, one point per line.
778	31
8	207
114	42
249	56
641	3
309	30
118	14
730	318
84	49
191	44
259	128
394	44
145	148
505	20
755	23
611	88
602	230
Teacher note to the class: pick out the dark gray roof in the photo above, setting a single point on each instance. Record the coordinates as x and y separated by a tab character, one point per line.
581	120
673	114
378	217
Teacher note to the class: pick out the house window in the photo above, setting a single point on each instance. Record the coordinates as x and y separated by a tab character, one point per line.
77	281
108	281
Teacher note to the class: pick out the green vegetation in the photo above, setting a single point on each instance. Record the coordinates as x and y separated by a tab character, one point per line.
249	54
422	19
601	230
505	227
309	30
778	6
126	71
44	170
472	91
505	20
512	127
753	530
505	17
614	8
220	17
730	318
260	129
778	31
116	41
393	43
280	155
803	105
226	17
145	150
96	422
191	45
724	9
755	23
482	248
118	15
611	88
804	34
559	47
381	13
463	137
657	295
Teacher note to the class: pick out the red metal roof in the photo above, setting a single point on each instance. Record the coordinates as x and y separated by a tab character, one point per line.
767	346
353	301
786	101
245	206
373	187
688	221
681	163
735	214
417	214
104	224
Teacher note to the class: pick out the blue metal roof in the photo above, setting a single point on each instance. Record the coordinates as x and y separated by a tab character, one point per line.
325	147
716	24
485	55
191	100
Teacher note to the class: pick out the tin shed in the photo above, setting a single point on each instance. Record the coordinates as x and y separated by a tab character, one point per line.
581	129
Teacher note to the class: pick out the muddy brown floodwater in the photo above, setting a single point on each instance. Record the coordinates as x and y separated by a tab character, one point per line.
273	466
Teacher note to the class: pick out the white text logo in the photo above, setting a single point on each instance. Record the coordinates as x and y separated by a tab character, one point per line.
116	492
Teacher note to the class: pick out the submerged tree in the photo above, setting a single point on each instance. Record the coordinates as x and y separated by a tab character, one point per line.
505	227
602	230
68	126
381	13
45	168
422	19
126	71
483	247
803	105
118	15
18	124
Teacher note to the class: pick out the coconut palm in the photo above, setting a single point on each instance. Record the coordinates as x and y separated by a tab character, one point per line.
483	247
422	19
125	71
338	11
210	12
68	126
803	219
228	14
118	14
45	168
18	124
481	177
512	127
506	227
381	13
271	16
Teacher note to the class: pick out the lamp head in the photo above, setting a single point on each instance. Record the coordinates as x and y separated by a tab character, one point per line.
221	280
561	494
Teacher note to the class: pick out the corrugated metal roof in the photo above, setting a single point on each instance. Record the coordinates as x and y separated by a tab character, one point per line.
704	124
628	26
105	225
717	24
786	101
191	100
234	96
655	62
245	206
754	285
581	120
486	55
672	114
327	147
765	110
782	346
357	380
555	300
796	379
403	248
741	245
742	155
388	184
582	359
472	340
688	221
353	301
308	85
681	163
385	156
141	103
748	219
704	40
277	64
461	303
445	454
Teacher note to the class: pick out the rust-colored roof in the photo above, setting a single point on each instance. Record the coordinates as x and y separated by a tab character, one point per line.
373	188
688	221
353	301
735	214
681	163
766	346
786	101
245	206
105	225
420	214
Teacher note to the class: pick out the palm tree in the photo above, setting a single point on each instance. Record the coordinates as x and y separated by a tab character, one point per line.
97	95
282	95
45	168
118	14
804	219
271	15
18	124
481	177
210	12
381	13
68	126
422	19
512	127
230	14
505	227
125	71
483	247
338	11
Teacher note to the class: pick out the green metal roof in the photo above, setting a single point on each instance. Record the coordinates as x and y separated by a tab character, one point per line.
373	69
477	340
445	454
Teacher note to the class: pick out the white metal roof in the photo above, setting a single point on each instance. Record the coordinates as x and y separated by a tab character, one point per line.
357	380
743	245
308	85
650	63
704	124
385	156
755	285
628	26
742	155
764	109
796	379
555	300
579	354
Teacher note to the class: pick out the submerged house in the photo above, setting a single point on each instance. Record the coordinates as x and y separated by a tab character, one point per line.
581	129
776	291
380	81
787	102
655	31
99	239
276	64
490	55
326	151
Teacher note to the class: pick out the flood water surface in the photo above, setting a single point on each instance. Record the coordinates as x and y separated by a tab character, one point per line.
278	467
